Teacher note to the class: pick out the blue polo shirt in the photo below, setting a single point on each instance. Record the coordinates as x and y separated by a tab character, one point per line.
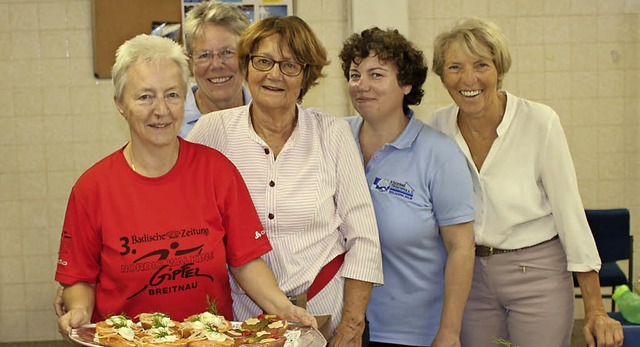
417	183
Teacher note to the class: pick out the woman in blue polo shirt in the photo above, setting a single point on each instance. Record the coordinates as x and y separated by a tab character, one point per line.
421	191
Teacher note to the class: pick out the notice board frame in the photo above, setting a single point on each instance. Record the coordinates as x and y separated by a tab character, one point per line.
115	21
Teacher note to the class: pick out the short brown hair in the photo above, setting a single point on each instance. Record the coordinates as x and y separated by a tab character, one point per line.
293	32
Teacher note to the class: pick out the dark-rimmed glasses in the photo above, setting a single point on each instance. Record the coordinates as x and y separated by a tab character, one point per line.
288	68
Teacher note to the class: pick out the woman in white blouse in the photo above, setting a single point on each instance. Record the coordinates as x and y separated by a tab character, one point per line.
531	231
305	177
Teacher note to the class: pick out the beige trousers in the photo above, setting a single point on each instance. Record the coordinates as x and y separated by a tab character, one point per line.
525	297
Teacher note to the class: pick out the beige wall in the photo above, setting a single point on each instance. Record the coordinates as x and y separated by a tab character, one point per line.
578	56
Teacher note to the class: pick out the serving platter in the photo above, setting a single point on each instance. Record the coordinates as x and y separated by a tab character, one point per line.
84	335
309	337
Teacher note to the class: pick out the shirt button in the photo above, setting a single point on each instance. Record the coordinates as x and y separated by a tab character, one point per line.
266	151
272	183
271	216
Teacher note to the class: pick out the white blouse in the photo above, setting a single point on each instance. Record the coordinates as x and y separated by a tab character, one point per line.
526	191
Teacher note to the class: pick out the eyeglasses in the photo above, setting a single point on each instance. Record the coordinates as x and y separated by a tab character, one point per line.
288	68
206	57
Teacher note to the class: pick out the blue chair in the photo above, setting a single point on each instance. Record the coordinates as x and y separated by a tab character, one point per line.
631	331
612	233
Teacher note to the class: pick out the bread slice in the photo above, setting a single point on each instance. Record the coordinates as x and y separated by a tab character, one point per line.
117	331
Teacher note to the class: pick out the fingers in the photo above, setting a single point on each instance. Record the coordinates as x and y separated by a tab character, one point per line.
603	332
305	318
63	326
338	340
72	319
58	303
309	320
77	319
610	335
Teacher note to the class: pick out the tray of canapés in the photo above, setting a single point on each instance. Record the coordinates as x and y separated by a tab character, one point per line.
201	330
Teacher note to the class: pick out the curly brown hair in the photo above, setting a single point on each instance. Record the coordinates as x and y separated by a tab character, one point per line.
389	46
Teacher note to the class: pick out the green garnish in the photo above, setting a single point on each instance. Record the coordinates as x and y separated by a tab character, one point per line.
157	320
161	333
212	306
211	328
120	321
259	326
502	342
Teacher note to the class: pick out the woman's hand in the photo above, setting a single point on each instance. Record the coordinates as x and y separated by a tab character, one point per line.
601	330
58	303
72	319
257	280
79	300
348	333
294	313
356	298
446	339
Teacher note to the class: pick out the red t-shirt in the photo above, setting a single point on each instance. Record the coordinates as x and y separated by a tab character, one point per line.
160	244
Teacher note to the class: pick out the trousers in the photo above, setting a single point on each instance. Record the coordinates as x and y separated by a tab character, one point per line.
525	297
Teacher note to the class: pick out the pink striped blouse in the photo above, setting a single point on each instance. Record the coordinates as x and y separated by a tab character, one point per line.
313	202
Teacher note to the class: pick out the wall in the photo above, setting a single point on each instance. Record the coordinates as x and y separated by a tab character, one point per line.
579	56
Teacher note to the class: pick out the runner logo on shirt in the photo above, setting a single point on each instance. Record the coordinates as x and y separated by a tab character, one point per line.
388	186
171	270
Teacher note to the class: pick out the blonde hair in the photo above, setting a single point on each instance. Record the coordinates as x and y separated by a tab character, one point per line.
213	12
147	48
477	37
294	33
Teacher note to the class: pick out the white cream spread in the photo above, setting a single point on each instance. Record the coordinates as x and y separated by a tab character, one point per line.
167	322
209	318
127	333
214	336
198	325
119	321
276	325
168	338
252	321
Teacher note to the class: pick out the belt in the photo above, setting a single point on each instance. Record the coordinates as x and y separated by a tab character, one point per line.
326	274
485	251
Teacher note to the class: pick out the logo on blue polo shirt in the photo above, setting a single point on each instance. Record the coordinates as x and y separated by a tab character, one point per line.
384	185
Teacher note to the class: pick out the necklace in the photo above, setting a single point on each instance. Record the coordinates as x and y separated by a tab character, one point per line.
133	165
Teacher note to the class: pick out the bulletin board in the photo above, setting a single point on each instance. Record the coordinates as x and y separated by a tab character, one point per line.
254	9
115	21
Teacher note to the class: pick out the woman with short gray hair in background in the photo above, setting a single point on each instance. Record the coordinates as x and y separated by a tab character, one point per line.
211	32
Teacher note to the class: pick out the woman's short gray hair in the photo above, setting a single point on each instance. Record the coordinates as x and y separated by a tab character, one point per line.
476	37
213	12
147	48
